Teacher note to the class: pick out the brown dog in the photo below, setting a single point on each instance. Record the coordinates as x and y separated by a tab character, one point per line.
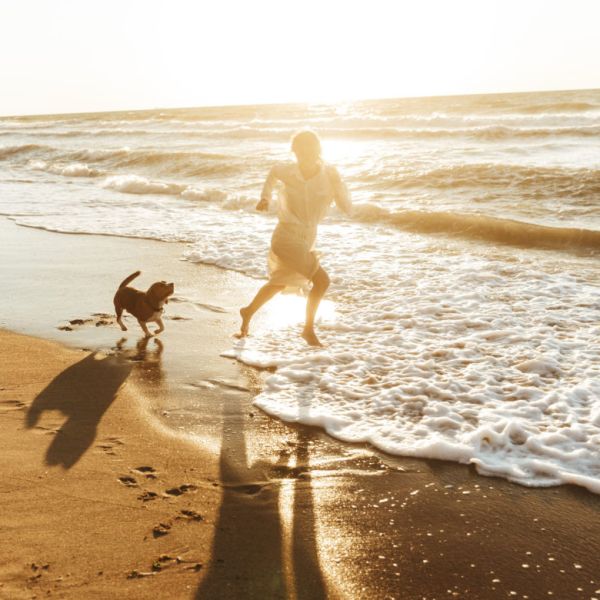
146	307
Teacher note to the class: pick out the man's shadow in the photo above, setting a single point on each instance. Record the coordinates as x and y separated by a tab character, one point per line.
248	553
82	392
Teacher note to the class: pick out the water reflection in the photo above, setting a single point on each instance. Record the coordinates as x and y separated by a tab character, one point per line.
148	360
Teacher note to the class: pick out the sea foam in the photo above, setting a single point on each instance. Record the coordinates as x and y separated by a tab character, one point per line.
453	357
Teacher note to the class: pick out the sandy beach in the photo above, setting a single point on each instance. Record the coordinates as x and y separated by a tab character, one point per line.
134	469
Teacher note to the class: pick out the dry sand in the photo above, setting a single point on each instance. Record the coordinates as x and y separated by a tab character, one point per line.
86	481
274	511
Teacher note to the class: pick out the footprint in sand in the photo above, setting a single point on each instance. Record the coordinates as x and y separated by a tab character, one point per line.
250	489
6	405
135	574
46	430
110	444
161	529
190	515
147	496
128	481
98	319
148	472
182	489
80	321
102	319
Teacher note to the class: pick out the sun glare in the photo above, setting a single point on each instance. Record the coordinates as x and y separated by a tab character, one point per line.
197	54
289	309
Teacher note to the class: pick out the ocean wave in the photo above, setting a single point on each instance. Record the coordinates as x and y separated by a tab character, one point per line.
432	123
559	107
537	180
482	227
187	163
483	132
428	124
136	184
174	162
59	155
203	195
68	170
7	151
241	202
68	133
79	170
472	226
486	104
501	132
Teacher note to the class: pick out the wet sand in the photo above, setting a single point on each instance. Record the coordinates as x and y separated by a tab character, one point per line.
287	512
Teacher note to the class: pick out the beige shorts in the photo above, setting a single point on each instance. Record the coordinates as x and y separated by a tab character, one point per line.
292	260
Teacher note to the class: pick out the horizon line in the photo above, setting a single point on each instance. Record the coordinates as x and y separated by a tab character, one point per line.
292	102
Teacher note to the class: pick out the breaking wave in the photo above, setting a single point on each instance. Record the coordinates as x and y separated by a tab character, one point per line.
560	181
483	227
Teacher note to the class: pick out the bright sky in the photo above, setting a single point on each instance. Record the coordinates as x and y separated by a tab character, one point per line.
78	55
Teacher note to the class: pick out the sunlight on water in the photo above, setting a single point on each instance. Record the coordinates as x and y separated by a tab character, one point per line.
342	151
286	512
289	309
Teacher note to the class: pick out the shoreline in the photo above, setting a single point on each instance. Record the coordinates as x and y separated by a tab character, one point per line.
297	514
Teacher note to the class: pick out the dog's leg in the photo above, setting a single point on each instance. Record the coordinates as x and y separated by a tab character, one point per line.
161	326
143	326
119	311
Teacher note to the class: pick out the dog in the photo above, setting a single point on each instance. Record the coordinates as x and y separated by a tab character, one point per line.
146	307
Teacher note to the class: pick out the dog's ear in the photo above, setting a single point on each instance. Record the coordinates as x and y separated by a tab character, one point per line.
152	292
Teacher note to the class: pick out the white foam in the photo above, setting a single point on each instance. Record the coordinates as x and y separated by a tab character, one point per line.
68	170
449	357
203	195
135	184
79	170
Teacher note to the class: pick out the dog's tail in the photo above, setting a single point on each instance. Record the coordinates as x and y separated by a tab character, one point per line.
129	279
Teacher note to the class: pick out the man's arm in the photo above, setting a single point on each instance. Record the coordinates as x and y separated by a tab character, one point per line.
341	194
267	190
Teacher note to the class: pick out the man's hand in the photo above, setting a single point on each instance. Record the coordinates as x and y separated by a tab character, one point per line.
263	205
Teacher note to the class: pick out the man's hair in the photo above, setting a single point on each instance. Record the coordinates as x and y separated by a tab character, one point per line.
306	139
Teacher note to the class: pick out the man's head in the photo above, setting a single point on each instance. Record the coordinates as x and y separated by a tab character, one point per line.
306	145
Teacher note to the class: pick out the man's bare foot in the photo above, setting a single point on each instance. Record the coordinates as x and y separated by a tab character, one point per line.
311	337
244	313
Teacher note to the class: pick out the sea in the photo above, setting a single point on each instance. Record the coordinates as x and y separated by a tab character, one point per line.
463	318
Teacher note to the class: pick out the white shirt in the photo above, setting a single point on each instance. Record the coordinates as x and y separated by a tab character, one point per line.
305	202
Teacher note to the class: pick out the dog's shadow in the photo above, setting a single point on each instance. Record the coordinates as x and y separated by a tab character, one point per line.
82	392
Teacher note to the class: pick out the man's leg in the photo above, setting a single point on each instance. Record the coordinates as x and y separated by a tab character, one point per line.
263	295
320	285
